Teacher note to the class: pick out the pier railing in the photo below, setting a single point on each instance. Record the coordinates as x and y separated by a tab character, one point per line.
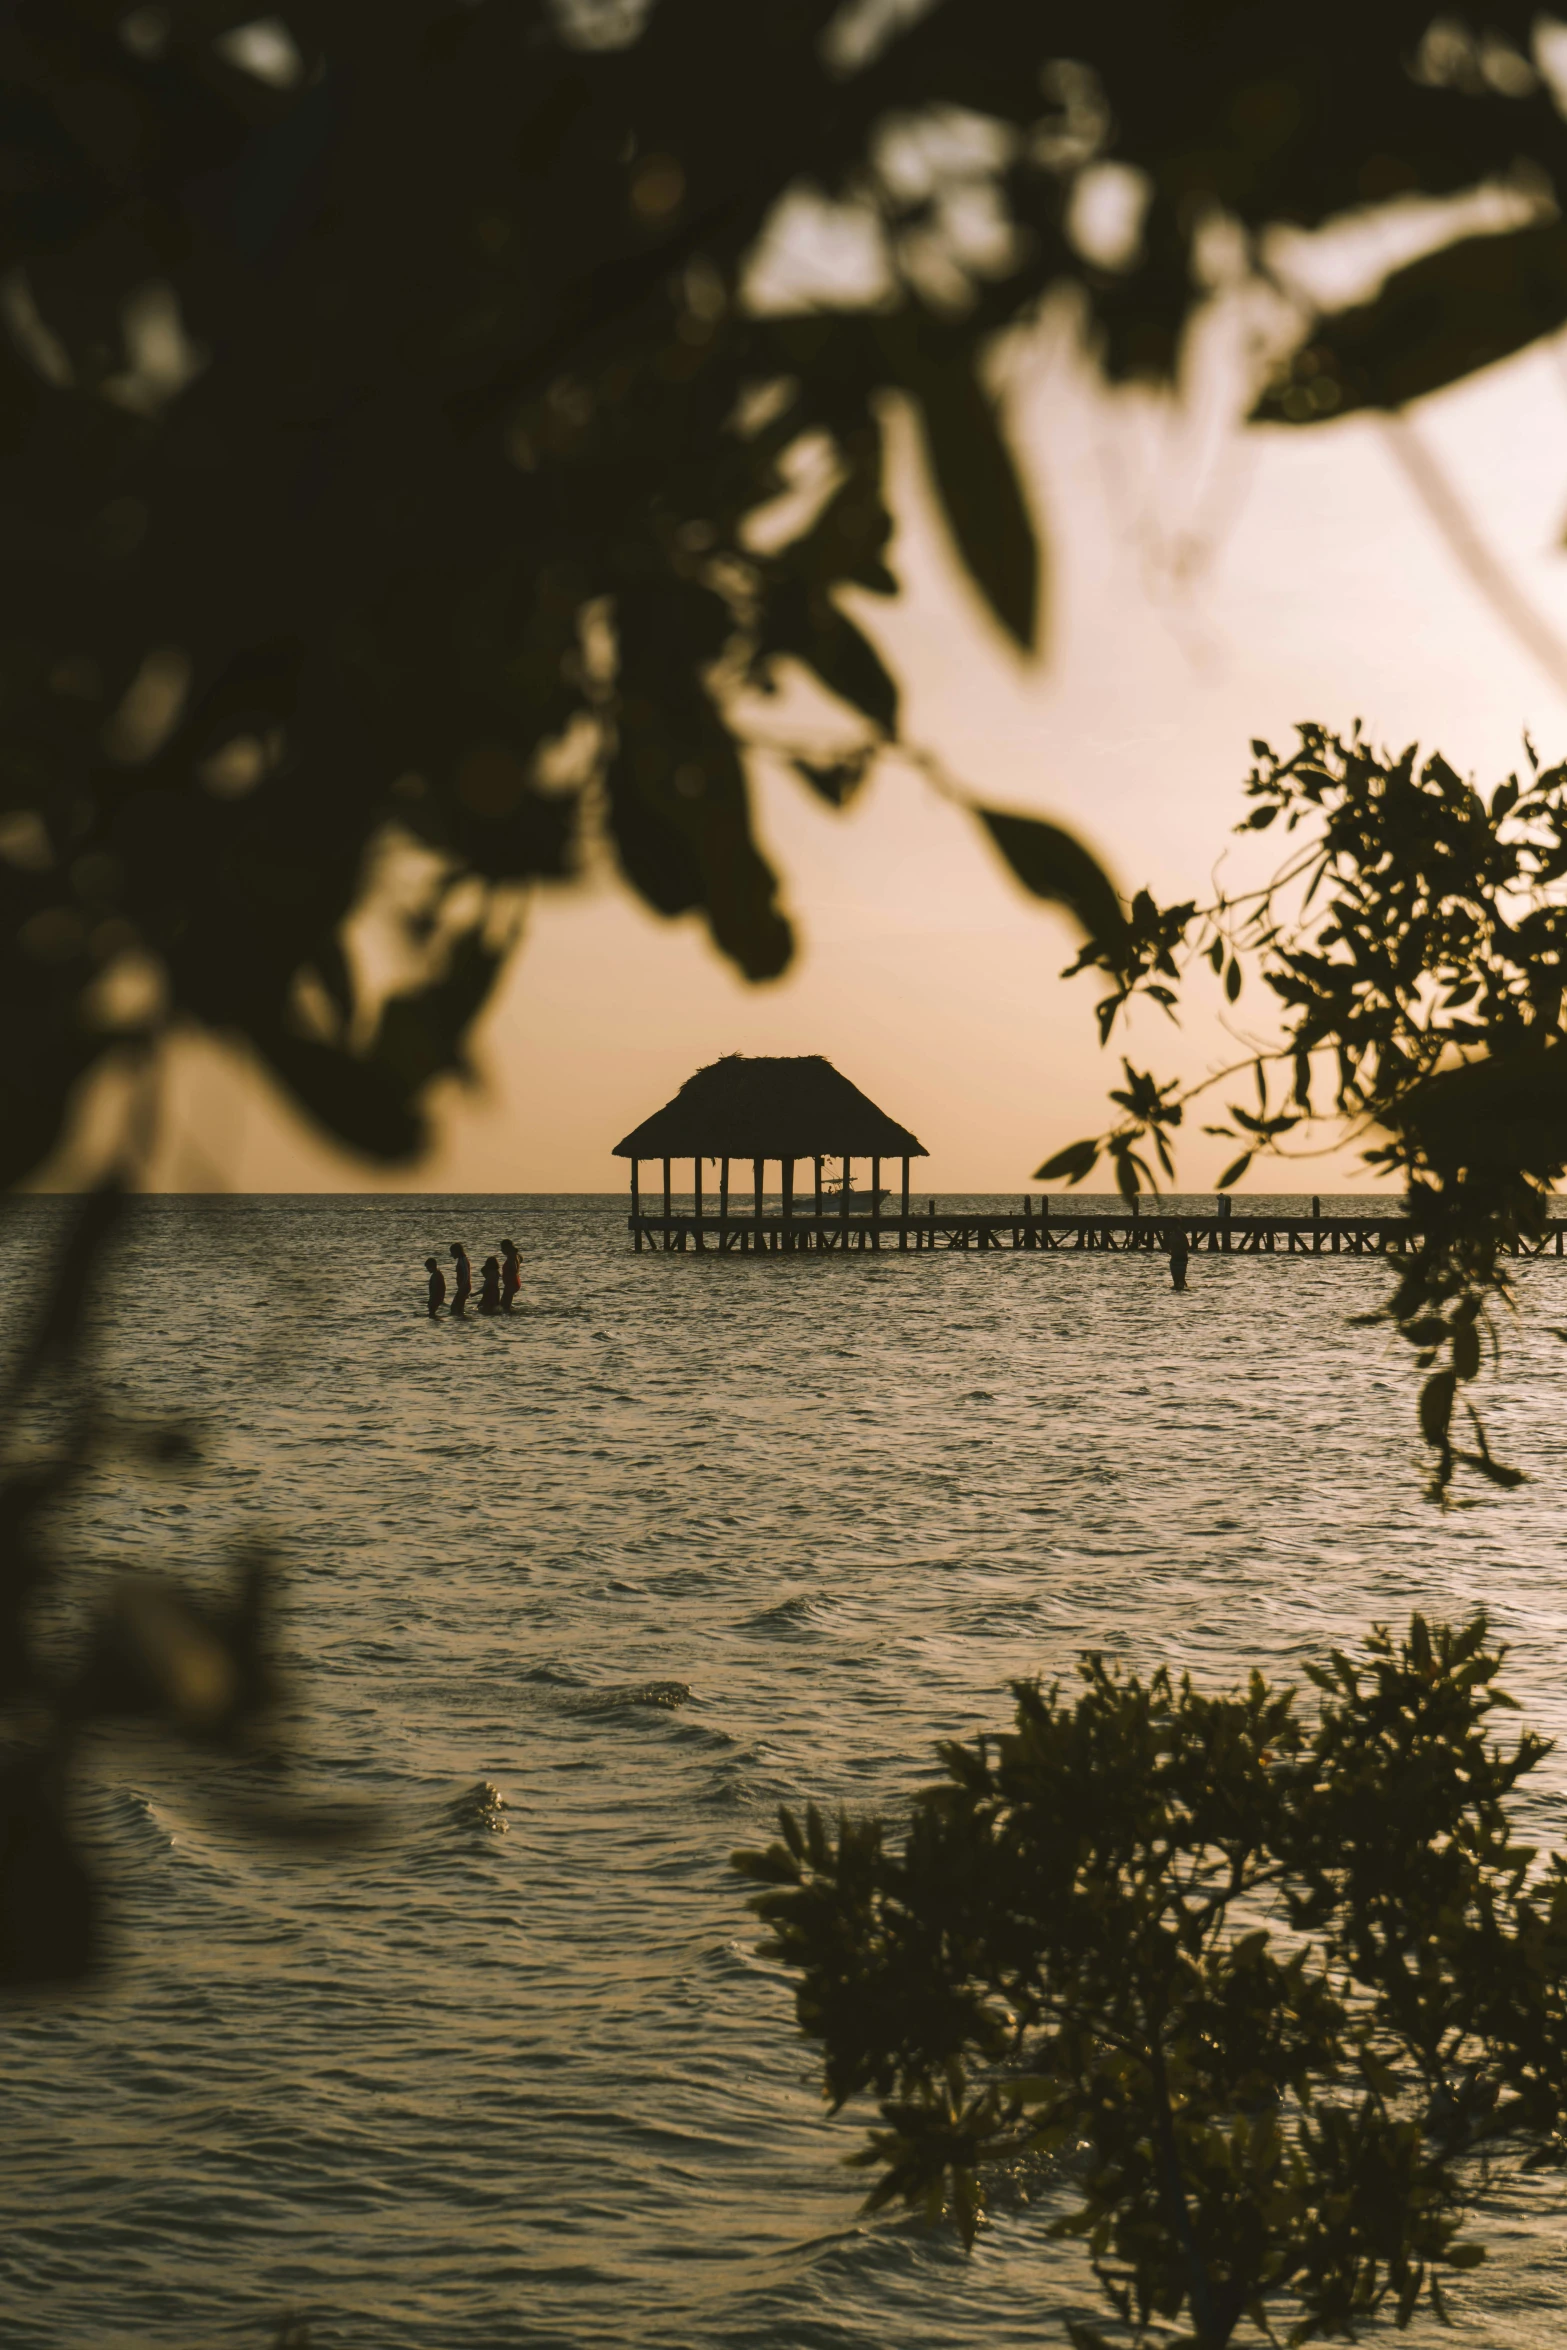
773	1233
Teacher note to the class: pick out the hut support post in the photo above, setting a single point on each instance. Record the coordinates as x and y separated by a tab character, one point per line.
723	1205
817	1162
756	1206
669	1238
903	1228
696	1201
843	1204
875	1203
636	1205
786	1167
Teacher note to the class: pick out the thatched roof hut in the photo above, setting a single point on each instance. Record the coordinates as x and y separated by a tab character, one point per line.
770	1107
760	1108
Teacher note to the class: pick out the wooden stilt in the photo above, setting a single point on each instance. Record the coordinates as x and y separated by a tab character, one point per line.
1027	1225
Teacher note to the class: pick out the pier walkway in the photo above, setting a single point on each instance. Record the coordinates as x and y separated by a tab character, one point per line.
1037	1226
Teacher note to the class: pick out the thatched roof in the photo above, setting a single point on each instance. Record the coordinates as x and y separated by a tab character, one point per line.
764	1107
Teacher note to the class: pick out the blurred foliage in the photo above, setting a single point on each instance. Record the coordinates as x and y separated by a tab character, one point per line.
145	1651
1414	943
1246	2000
390	399
441	423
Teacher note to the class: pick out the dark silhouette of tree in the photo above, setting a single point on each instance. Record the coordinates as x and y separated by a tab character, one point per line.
385	409
382	408
1412	943
1247	2000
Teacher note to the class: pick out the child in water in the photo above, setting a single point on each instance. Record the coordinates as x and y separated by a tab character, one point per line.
464	1279
437	1286
511	1274
490	1293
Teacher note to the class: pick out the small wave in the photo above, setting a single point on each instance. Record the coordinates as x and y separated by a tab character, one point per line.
479	1806
665	1695
579	1695
127	1811
743	1783
791	1617
681	1582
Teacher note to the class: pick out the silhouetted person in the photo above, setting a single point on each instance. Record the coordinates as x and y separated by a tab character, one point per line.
463	1279
1180	1254
511	1274
437	1286
490	1289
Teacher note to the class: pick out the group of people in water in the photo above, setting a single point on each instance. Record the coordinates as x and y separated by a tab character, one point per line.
499	1281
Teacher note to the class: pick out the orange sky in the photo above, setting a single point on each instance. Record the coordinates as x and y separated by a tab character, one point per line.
1207	587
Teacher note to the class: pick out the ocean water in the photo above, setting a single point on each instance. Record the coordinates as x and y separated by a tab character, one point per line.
574	1600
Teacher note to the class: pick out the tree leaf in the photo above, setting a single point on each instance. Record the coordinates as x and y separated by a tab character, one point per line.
846	660
981	496
1436	1406
360	1102
1446	315
1235	1170
805	621
1053	865
834	780
1076	1161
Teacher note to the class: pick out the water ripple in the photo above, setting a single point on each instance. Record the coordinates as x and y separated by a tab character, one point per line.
577	1601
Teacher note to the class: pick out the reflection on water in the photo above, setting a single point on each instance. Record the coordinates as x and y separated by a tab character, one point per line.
579	1596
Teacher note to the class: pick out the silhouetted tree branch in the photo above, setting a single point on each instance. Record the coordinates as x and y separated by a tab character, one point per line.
1249	1999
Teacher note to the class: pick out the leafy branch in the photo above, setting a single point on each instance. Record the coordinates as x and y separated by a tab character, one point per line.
1414	945
1276	1986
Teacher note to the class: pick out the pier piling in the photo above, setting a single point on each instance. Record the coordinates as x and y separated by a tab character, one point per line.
860	1225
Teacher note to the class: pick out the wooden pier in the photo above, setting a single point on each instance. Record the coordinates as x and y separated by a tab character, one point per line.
784	1231
799	1110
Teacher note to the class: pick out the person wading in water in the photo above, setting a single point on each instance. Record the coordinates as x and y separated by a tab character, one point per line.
464	1278
490	1292
1180	1253
511	1274
437	1286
